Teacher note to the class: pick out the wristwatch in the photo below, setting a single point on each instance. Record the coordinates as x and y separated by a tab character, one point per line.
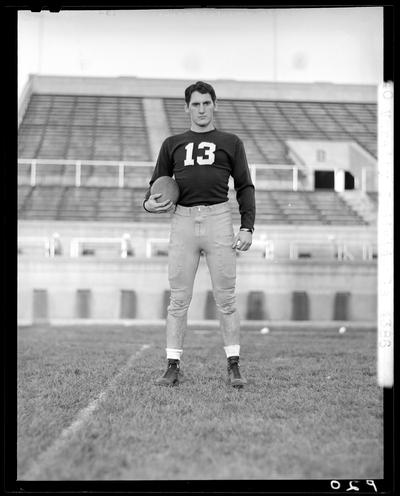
247	229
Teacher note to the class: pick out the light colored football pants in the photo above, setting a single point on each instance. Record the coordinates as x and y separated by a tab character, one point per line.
193	230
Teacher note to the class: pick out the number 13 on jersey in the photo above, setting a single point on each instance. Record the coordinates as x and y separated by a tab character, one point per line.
207	159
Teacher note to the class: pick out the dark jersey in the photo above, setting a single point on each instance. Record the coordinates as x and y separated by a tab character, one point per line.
202	164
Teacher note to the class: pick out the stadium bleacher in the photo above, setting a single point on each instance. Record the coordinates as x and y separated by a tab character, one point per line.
111	128
104	203
83	127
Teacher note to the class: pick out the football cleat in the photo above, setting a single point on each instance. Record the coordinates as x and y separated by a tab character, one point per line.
172	374
234	377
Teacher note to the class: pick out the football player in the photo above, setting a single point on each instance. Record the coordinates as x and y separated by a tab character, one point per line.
202	159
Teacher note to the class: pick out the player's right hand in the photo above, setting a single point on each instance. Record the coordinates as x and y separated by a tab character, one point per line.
153	206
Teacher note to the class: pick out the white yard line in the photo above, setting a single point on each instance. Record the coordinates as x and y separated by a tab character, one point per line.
82	418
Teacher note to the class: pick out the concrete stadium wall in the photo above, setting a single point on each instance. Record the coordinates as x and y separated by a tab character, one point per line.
61	278
229	89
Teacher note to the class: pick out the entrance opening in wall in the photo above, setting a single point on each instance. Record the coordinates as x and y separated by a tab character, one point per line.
348	180
324	179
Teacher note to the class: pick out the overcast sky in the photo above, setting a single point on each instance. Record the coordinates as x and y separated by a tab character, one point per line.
339	45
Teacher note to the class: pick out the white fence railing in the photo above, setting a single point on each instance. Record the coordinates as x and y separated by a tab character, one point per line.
48	246
342	251
264	176
124	247
123	243
286	175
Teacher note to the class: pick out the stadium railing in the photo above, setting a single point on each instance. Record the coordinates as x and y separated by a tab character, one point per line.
42	245
78	173
342	251
283	175
123	247
123	243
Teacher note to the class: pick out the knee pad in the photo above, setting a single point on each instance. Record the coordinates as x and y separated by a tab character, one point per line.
226	303
179	305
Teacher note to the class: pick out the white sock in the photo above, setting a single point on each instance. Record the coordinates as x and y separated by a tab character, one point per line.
232	350
173	353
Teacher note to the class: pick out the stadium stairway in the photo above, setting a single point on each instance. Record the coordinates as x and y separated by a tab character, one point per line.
365	204
333	209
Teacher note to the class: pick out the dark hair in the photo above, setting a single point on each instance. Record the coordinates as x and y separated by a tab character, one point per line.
201	87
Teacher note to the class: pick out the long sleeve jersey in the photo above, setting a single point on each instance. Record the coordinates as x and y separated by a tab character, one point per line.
202	164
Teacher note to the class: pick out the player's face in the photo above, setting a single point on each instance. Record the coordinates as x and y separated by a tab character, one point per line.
201	109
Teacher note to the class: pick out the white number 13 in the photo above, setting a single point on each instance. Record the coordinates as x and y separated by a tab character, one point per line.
209	155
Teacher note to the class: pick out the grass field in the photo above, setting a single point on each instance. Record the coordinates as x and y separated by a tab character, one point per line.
88	408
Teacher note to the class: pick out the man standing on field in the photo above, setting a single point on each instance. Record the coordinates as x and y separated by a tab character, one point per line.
202	159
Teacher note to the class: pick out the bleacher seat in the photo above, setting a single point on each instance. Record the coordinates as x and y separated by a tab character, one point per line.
24	191
41	202
83	128
78	204
125	204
